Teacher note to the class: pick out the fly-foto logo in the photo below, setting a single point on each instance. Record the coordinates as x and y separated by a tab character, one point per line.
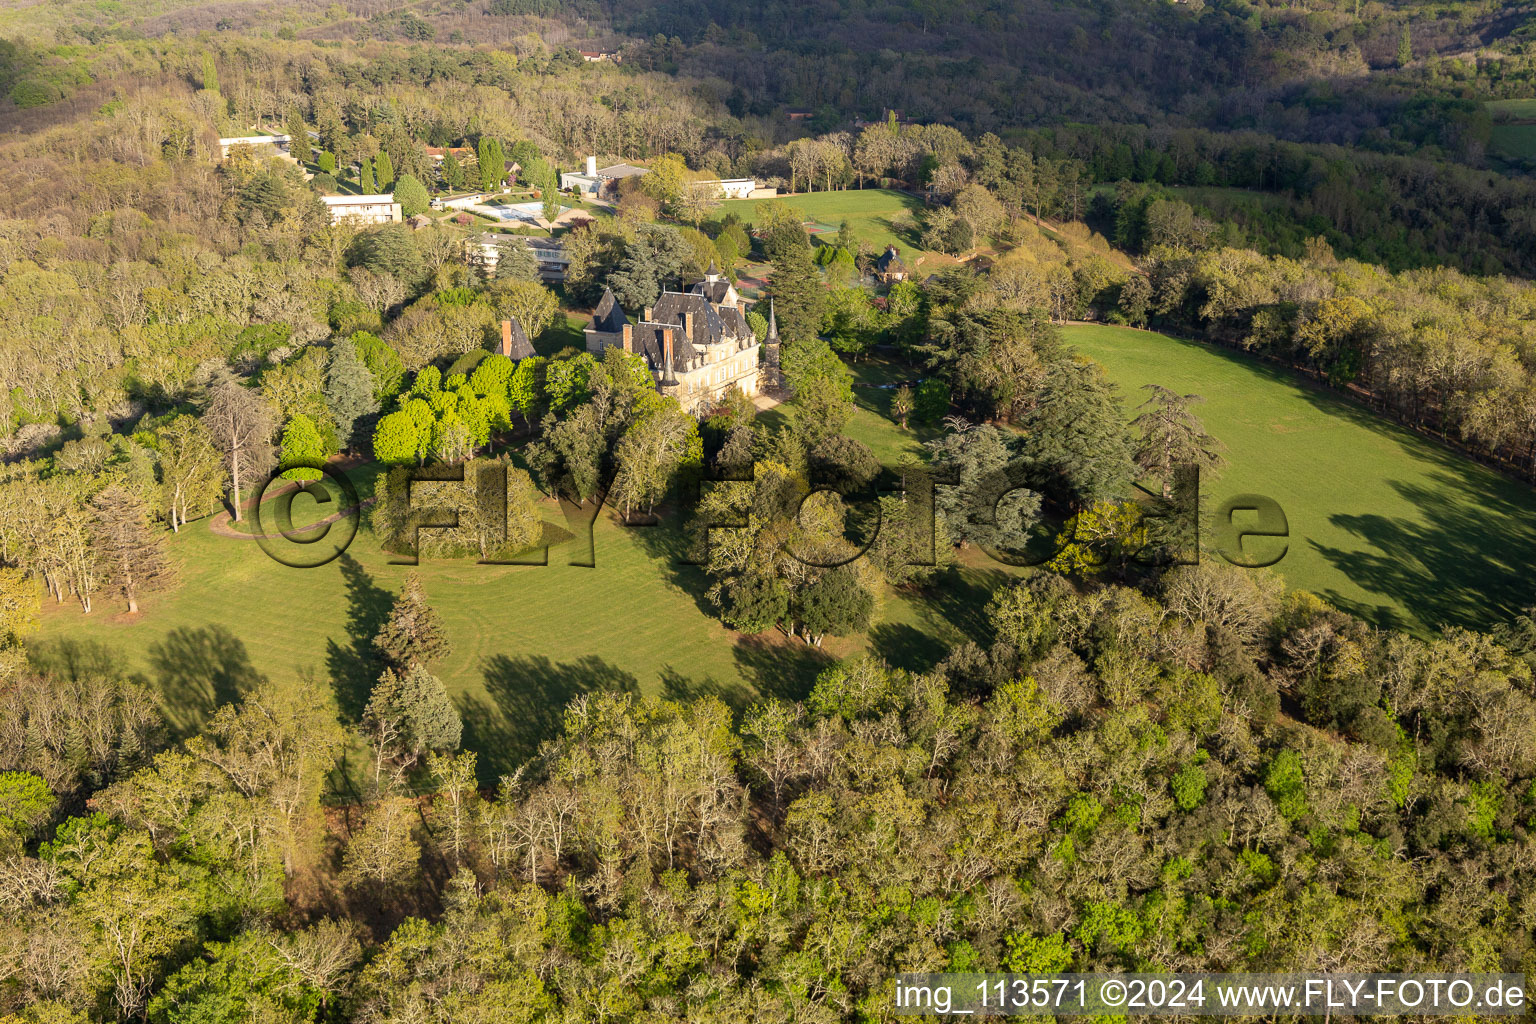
1246	530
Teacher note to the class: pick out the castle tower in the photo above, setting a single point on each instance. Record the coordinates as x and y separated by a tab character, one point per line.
772	376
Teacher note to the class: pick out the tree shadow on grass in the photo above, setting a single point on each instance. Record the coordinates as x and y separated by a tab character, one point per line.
955	603
197	670
778	667
356	666
903	646
527	705
674	548
74	659
1468	559
676	686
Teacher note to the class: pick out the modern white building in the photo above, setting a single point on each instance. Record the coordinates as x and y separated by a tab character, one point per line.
484	252
734	188
277	142
463	202
372	209
598	183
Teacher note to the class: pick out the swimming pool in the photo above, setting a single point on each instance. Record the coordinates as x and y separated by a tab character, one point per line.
527	213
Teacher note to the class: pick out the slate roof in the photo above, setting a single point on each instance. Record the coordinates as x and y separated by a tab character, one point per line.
714	291
650	343
522	348
735	324
889	261
609	318
713	324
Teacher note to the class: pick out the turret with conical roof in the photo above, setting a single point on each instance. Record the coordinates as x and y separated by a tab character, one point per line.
772	375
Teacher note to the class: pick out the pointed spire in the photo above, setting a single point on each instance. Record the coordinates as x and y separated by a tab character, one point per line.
773	324
713	273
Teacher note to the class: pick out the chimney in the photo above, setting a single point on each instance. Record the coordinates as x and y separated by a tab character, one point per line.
689	326
646	316
629	337
667	376
506	338
591	166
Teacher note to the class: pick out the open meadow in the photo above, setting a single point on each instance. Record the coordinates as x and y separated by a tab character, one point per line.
1384	523
526	639
1513	135
869	213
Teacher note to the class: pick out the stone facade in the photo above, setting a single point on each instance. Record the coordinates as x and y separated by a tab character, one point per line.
696	343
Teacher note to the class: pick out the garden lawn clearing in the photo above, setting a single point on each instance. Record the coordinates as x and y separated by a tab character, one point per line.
868	211
1384	523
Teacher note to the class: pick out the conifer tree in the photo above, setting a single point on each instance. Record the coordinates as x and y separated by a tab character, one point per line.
365	178
298	136
384	171
549	193
1172	436
1076	439
348	389
409	714
453	173
798	294
414	633
132	557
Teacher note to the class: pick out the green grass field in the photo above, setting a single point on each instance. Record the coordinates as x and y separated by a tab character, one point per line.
1514	135
526	639
1383	523
1512	109
868	212
1513	141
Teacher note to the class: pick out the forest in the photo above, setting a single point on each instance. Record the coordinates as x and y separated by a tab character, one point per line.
1091	745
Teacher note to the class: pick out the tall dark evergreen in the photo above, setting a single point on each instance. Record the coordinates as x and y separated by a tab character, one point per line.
1172	436
1076	439
349	388
298	136
798	293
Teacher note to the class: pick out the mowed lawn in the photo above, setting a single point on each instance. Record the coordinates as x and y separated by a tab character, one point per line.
526	639
1383	523
1510	138
868	211
1513	141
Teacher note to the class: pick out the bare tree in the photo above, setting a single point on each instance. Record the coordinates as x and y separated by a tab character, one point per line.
241	424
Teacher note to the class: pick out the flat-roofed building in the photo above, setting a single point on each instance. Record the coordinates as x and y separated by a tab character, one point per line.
279	143
596	182
371	209
485	250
